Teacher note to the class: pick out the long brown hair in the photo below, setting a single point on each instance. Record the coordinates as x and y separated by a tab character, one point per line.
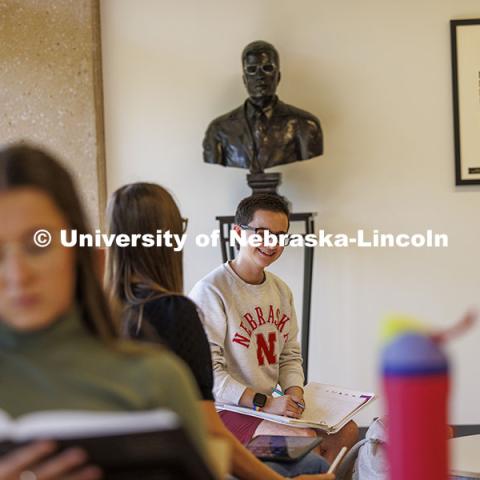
135	275
25	166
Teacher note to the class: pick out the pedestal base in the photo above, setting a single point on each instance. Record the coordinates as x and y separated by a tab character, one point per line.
264	182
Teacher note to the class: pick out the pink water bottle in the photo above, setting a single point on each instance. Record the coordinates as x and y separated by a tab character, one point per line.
416	385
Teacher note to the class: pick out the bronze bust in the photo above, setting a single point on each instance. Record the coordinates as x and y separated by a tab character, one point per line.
263	132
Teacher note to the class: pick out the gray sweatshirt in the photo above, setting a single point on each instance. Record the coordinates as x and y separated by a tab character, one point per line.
252	330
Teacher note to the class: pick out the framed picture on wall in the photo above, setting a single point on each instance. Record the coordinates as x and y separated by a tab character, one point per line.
465	40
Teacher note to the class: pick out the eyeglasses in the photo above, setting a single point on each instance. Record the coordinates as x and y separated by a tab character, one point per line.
282	237
266	68
184	224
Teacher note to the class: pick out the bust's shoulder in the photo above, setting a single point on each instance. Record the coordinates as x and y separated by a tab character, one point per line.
227	118
302	116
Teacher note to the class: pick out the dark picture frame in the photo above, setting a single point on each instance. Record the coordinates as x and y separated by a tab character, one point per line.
465	44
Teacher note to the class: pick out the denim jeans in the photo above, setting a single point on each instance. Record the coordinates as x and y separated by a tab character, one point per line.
311	463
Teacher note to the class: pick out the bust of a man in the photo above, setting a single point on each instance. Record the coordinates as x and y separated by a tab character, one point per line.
263	132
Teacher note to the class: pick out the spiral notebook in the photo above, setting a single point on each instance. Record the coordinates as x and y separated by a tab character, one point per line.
328	408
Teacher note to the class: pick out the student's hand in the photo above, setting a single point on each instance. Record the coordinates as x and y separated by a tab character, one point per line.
30	462
297	395
284	405
320	476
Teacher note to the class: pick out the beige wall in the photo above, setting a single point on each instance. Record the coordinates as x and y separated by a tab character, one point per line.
377	73
48	74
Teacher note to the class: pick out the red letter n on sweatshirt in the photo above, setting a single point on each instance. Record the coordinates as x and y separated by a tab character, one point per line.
264	350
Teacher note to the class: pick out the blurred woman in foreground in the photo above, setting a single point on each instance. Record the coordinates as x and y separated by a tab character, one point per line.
58	342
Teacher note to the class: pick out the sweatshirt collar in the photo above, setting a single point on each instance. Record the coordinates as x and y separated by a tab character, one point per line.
238	279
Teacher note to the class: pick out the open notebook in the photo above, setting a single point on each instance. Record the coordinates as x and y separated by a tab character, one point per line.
125	445
328	408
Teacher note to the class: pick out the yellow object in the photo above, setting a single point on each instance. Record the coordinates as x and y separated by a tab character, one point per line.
395	325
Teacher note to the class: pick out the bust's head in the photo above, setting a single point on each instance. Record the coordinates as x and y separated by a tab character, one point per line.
261	70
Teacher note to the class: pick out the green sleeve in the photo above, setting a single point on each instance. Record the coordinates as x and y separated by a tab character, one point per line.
174	388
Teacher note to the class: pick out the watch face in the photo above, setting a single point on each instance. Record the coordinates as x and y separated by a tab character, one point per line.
259	400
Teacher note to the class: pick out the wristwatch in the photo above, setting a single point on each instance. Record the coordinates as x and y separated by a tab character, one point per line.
259	401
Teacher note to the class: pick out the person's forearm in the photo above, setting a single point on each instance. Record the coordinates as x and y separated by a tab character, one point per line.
226	388
246	400
245	466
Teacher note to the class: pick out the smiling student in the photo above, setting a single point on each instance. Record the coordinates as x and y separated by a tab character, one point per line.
250	320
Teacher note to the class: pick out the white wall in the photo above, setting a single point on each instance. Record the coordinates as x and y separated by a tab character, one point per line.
377	74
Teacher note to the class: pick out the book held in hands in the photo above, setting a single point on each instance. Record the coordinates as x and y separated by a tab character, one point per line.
146	445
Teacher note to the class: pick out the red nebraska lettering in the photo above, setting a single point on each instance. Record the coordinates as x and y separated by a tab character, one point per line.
264	350
261	320
249	332
282	323
250	321
241	340
277	314
271	315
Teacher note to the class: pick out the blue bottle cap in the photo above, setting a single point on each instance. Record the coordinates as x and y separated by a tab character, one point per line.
413	354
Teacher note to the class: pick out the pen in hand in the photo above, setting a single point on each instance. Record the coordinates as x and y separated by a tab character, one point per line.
281	394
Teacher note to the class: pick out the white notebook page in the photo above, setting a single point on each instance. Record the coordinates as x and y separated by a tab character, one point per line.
329	404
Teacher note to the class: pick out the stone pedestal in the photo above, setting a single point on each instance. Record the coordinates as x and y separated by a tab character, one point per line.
264	182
